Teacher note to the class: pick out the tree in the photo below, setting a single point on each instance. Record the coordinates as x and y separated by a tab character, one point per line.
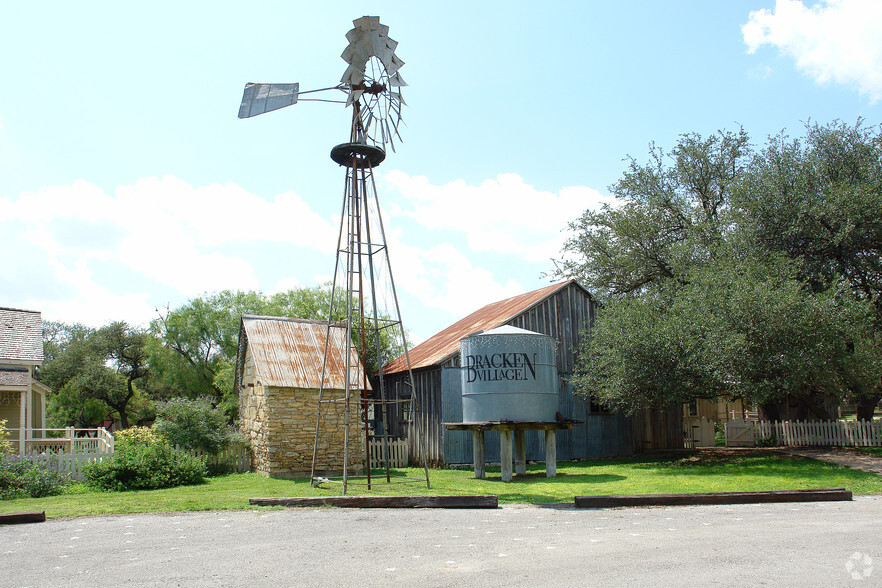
818	200
199	340
194	424
725	270
92	371
668	219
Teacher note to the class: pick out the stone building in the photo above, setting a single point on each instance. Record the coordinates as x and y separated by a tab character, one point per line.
278	376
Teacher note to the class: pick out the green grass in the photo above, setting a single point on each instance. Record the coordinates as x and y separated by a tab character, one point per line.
702	472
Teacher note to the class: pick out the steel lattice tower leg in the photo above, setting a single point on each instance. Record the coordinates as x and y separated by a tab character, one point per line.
362	255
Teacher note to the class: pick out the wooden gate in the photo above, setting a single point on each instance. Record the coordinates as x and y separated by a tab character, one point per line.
740	433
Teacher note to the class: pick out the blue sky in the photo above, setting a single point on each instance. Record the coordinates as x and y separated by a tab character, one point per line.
127	183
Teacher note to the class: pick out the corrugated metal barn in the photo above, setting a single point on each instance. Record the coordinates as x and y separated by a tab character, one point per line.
563	311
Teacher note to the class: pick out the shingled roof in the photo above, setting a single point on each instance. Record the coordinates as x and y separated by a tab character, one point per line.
21	336
441	346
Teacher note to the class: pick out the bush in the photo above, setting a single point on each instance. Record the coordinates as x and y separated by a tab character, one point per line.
5	445
194	424
144	460
770	441
19	478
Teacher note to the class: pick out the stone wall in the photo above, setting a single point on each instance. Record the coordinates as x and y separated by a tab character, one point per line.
280	424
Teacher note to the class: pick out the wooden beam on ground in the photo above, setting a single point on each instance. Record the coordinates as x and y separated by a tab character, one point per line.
812	495
15	518
479	501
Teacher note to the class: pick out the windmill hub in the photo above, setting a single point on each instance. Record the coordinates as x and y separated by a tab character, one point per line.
373	88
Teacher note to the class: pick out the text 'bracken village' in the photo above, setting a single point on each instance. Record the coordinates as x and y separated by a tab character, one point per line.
500	367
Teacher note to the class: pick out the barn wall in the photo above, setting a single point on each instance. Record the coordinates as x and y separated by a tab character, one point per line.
597	435
658	429
563	316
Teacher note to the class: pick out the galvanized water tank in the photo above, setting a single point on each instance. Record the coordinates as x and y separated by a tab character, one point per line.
509	374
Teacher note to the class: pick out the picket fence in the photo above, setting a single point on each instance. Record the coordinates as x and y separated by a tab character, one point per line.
840	433
235	458
67	463
398	454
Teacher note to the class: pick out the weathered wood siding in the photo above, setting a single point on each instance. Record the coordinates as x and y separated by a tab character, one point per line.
567	316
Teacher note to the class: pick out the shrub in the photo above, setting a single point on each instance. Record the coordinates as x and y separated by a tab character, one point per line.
194	424
144	460
19	478
5	445
770	441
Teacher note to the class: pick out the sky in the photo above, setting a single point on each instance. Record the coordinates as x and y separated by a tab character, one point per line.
128	184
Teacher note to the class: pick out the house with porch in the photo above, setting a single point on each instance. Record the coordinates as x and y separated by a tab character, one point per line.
22	398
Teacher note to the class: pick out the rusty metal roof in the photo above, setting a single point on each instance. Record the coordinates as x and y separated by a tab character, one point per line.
288	353
439	347
21	336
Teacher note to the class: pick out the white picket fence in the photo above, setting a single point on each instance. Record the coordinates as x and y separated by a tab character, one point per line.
840	433
398	454
69	463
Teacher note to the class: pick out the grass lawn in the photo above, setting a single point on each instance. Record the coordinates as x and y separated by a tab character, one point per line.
702	472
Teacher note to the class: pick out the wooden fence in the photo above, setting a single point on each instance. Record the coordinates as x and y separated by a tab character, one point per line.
398	454
235	458
68	463
820	433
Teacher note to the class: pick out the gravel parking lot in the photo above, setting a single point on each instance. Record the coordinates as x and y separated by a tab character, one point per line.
835	543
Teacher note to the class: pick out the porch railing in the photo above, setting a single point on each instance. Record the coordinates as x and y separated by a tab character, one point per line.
68	440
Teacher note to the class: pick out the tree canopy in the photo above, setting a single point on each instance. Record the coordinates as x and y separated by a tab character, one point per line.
724	269
119	371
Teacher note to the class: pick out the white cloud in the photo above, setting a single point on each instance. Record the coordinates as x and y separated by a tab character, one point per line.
836	40
503	215
443	277
156	234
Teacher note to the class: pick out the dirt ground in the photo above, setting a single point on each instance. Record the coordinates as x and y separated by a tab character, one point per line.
840	456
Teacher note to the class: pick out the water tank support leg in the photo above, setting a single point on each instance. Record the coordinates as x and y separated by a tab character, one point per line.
478	453
520	452
505	454
550	453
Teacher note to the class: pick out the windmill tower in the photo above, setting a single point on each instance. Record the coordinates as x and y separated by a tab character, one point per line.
362	289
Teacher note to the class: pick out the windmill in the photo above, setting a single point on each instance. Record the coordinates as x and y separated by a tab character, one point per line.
372	84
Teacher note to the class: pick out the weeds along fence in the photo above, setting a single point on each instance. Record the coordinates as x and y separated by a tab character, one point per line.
235	458
839	433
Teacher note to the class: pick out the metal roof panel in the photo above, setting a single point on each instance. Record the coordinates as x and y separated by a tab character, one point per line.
288	352
437	348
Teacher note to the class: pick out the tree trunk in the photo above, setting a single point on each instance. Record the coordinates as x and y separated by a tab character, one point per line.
866	406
